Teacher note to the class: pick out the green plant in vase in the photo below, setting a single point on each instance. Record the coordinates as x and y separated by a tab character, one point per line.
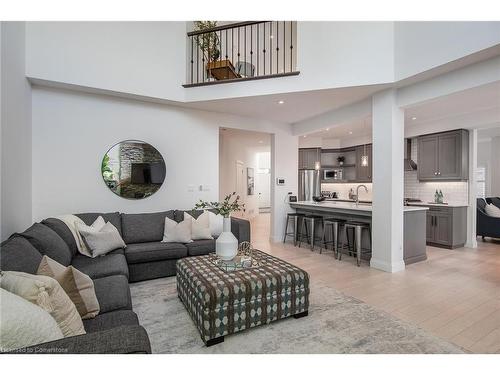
208	42
226	245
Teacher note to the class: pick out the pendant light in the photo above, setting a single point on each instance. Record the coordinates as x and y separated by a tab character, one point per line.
364	157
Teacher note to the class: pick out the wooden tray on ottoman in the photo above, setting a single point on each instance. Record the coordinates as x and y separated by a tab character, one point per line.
221	303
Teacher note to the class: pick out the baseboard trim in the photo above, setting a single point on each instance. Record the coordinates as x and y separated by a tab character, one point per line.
387	266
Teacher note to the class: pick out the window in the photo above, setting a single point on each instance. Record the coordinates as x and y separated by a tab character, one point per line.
481	182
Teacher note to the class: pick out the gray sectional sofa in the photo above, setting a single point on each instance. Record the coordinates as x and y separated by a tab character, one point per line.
116	329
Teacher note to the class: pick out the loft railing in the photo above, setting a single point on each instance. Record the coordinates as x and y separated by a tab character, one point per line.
241	51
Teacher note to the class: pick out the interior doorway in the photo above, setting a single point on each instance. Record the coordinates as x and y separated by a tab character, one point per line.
245	168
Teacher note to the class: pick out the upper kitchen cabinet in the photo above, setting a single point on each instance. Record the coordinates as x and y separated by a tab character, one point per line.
308	157
444	156
364	172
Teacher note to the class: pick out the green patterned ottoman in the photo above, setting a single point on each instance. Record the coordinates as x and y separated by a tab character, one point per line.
224	302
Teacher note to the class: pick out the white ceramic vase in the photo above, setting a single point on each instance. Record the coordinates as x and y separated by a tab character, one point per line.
226	245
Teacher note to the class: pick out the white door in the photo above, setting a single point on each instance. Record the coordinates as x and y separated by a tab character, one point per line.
263	185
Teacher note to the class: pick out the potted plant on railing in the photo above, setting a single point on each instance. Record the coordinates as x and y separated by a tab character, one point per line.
341	160
210	45
226	245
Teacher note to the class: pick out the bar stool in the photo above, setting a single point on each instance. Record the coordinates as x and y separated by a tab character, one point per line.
312	220
358	228
295	216
334	224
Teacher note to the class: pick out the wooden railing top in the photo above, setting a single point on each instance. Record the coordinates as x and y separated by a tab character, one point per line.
225	27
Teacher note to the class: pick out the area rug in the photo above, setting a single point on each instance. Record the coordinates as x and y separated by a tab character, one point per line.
336	324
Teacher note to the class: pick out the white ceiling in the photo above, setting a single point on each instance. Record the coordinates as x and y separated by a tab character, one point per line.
297	106
472	108
250	138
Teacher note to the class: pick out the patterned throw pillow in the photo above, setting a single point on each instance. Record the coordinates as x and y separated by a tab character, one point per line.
45	292
78	286
492	210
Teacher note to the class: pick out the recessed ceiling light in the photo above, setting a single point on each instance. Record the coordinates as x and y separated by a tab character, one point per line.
327	129
413	118
281	102
305	136
350	132
261	141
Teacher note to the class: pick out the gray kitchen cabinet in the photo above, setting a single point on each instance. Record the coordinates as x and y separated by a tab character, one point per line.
364	173
308	157
446	226
443	156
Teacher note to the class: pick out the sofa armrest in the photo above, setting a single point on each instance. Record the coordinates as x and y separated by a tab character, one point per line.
487	226
241	229
119	340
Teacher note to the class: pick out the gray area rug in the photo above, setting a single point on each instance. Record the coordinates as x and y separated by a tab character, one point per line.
336	324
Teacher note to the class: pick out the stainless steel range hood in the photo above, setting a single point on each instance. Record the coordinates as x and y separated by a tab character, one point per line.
409	164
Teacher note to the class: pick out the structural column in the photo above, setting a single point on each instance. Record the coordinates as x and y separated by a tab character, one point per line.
388	182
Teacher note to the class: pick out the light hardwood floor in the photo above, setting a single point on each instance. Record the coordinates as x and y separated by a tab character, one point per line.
455	294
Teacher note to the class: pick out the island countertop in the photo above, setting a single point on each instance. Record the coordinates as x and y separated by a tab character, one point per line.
363	207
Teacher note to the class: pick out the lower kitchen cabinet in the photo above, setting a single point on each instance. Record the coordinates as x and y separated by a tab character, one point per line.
446	226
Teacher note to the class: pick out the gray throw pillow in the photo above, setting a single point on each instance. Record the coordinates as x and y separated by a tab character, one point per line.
101	238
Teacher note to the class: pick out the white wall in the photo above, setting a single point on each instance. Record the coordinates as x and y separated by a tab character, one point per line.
15	132
420	46
72	131
495	167
143	58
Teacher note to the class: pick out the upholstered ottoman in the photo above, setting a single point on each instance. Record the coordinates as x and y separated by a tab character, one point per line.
224	302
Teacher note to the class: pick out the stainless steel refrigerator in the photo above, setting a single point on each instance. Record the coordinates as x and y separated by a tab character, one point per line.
309	184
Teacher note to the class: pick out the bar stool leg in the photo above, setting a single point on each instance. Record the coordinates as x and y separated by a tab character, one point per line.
295	228
335	238
286	228
358	244
312	234
324	241
302	231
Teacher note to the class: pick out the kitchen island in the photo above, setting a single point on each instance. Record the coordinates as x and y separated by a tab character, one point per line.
414	229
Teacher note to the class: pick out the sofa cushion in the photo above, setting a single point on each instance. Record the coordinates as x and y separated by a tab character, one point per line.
113	293
107	265
201	247
146	227
18	254
110	320
63	231
113	217
154	251
48	242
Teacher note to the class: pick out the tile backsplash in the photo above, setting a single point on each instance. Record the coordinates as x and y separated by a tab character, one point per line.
456	192
343	190
453	192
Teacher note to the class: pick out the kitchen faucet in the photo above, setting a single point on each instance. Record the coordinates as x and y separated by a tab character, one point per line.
357	193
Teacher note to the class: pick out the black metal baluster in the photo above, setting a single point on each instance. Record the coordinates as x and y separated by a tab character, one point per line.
209	59
251	48
192	61
284	41
246	73
271	36
291	46
258	57
277	47
264	50
197	63
238	45
232	46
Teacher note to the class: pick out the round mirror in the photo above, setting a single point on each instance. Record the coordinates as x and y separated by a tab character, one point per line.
133	169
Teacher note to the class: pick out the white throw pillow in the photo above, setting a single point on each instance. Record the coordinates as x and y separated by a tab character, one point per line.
200	227
100	238
177	232
23	323
46	293
492	210
216	223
